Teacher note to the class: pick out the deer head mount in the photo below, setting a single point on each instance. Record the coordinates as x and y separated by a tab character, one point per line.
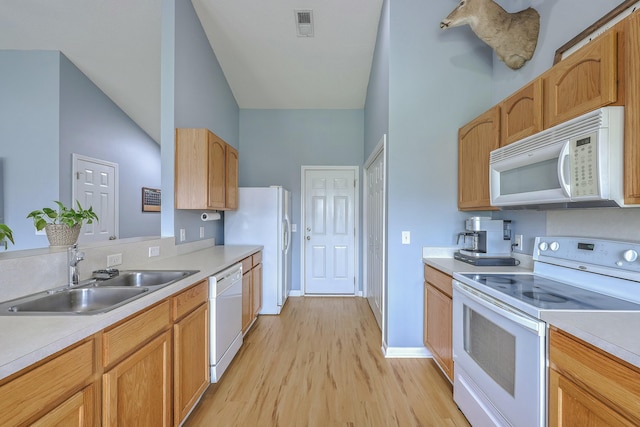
513	36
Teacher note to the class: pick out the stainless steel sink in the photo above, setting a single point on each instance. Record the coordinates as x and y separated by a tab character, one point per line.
145	278
94	296
73	301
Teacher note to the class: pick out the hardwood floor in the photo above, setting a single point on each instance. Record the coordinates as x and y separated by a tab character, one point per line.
319	364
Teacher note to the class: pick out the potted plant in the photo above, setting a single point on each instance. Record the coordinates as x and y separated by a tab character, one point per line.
5	234
62	225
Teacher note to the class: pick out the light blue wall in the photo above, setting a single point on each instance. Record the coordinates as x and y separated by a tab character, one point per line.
48	110
274	144
202	99
93	125
29	123
438	80
376	110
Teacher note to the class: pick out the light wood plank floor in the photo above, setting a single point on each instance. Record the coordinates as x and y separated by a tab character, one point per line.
319	364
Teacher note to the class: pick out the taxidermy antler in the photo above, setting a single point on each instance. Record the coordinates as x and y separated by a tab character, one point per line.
513	36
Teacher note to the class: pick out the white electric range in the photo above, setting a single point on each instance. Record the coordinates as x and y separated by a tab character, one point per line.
499	339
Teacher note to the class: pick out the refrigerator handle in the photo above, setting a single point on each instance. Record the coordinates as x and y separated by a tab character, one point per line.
287	235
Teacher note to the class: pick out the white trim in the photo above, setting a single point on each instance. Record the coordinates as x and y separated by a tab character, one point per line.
116	191
406	353
380	149
356	221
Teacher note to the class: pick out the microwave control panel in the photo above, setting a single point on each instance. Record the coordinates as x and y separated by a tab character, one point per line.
584	166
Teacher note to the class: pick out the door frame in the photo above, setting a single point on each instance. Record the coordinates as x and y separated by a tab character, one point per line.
356	223
116	191
379	150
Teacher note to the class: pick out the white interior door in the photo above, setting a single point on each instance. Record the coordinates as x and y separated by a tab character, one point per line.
96	185
374	219
329	231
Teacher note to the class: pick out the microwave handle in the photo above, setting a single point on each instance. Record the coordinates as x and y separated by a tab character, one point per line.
564	169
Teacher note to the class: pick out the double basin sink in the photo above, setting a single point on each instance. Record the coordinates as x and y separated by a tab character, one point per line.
94	296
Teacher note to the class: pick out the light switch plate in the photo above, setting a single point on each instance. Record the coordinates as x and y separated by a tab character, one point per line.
183	234
406	237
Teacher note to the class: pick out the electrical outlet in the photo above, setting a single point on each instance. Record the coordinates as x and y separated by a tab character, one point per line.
201	232
406	237
154	251
183	234
518	242
113	260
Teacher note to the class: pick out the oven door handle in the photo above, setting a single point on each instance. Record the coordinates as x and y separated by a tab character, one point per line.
501	309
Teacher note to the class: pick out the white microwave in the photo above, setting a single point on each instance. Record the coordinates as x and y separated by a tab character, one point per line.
578	163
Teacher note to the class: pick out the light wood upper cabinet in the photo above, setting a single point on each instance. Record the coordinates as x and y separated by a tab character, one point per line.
206	171
588	386
521	113
231	178
476	140
632	110
438	318
582	82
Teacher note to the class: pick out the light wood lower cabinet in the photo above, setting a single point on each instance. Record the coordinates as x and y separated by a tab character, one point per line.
57	391
251	290
589	387
437	318
137	391
191	373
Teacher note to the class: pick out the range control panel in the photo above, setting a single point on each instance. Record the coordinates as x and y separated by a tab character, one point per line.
611	257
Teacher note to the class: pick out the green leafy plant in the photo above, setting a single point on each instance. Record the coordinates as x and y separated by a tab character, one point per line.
5	234
63	215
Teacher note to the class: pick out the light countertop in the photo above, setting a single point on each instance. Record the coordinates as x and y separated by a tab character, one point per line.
28	339
614	332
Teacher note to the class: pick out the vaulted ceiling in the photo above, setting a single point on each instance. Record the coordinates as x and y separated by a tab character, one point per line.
116	43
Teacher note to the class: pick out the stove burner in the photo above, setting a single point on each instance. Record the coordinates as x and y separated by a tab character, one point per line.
544	296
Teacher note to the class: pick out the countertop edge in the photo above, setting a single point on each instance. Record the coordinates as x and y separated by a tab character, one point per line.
50	334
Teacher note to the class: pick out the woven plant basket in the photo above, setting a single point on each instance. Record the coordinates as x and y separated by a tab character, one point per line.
62	235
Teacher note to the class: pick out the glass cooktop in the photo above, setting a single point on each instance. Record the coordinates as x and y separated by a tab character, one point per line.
544	294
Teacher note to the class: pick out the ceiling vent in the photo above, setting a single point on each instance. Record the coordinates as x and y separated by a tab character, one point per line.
304	22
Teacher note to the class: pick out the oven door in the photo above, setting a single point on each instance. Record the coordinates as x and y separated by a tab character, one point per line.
499	355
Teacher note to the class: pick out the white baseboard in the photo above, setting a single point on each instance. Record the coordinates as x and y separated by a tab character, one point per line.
406	352
295	293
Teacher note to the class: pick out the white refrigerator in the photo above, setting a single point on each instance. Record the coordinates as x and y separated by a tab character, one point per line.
263	218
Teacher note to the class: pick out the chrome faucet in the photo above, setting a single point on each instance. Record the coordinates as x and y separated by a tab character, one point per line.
73	259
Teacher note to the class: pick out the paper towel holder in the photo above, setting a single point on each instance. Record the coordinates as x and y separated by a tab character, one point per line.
210	216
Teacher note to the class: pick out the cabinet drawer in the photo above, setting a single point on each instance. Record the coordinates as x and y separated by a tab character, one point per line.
257	258
246	265
440	280
39	389
189	299
133	332
609	379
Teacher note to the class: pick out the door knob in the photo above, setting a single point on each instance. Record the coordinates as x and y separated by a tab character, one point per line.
308	237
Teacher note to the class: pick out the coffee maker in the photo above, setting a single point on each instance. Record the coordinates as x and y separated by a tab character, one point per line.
486	242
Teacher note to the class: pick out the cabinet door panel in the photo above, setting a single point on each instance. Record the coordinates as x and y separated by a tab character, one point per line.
476	140
216	176
247	301
137	391
231	179
438	337
521	113
582	82
632	112
78	410
191	361
256	285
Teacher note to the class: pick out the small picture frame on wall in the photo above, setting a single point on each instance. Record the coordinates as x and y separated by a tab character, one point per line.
615	15
151	199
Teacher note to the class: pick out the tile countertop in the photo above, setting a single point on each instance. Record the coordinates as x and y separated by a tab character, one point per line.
613	332
28	339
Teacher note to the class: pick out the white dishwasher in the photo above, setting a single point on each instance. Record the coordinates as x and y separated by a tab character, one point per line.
225	297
